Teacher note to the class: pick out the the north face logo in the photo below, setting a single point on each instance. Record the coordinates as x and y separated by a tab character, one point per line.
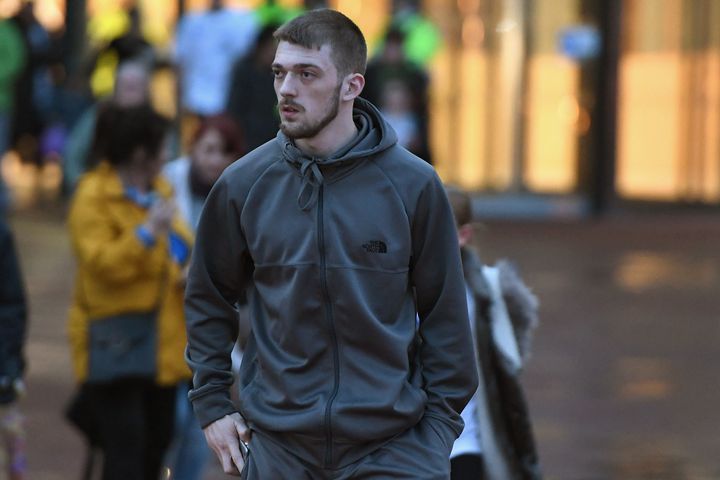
375	246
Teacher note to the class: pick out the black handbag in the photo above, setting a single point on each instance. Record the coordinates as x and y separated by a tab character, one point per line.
123	346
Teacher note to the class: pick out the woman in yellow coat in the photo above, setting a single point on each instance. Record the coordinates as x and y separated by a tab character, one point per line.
131	251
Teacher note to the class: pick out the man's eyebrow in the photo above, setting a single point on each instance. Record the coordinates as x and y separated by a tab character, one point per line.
297	66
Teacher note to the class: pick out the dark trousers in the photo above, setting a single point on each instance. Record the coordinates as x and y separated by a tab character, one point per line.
466	467
420	453
134	424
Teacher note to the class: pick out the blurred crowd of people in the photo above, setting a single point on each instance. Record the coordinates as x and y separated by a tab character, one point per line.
220	59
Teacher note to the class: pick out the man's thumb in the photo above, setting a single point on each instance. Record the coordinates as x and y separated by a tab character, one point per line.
243	431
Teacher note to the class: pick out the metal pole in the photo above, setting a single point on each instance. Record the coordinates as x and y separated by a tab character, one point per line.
597	150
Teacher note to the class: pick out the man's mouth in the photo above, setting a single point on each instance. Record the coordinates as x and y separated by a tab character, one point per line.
289	109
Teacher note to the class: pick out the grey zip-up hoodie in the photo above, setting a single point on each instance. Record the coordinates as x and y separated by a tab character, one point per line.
336	256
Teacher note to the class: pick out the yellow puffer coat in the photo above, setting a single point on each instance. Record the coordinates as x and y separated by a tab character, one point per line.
117	273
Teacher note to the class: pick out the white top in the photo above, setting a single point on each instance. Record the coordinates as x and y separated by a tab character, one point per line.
177	173
405	126
207	45
469	440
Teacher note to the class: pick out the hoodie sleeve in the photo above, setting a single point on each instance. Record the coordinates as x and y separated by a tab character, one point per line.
446	354
220	270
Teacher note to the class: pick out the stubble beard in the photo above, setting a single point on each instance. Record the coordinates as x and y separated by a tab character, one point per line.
309	130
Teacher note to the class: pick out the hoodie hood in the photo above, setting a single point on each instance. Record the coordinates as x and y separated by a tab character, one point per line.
374	136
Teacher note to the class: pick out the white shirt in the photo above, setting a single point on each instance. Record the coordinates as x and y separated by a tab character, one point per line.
177	173
469	440
207	45
405	126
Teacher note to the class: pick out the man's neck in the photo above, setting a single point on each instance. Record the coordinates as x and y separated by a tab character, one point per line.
333	137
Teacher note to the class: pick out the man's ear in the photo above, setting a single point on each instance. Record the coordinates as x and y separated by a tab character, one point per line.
352	86
465	234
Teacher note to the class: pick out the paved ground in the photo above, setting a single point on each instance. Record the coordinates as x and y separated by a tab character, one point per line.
622	384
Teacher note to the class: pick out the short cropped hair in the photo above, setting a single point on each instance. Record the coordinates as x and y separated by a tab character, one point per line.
328	27
461	204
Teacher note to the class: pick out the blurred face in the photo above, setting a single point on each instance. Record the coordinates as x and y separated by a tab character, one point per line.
209	158
148	166
396	98
307	88
393	51
131	88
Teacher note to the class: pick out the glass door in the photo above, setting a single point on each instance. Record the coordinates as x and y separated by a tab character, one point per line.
506	108
669	105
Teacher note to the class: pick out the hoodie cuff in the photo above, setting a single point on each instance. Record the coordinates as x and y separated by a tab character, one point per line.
211	407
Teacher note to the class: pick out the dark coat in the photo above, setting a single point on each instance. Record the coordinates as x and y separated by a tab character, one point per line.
502	412
251	102
13	317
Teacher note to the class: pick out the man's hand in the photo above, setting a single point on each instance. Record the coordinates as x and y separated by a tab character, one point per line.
224	437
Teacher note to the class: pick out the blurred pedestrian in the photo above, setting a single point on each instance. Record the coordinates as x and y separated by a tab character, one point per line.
128	45
396	107
13	321
252	102
12	60
497	442
421	37
132	46
340	238
271	12
208	43
32	85
216	144
391	67
132	88
126	320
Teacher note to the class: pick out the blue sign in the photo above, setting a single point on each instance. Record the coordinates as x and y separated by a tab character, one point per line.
580	42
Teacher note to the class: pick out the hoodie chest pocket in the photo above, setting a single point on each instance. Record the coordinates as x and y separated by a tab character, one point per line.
372	234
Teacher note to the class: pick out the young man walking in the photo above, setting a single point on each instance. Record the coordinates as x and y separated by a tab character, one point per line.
360	356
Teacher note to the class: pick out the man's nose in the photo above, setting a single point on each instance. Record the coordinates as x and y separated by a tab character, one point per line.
287	86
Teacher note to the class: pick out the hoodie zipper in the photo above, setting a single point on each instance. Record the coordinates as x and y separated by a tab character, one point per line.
333	334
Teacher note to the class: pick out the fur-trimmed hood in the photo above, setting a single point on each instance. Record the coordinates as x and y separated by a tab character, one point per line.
522	305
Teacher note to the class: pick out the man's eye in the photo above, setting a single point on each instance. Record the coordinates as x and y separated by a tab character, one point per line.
307	74
277	73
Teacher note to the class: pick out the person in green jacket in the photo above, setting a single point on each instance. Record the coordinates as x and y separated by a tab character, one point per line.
12	60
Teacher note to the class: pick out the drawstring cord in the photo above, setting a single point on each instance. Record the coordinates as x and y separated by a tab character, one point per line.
312	180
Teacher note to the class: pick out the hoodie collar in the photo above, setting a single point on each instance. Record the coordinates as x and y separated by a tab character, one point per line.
374	135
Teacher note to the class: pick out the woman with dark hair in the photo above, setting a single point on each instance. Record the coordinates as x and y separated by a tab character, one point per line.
126	321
